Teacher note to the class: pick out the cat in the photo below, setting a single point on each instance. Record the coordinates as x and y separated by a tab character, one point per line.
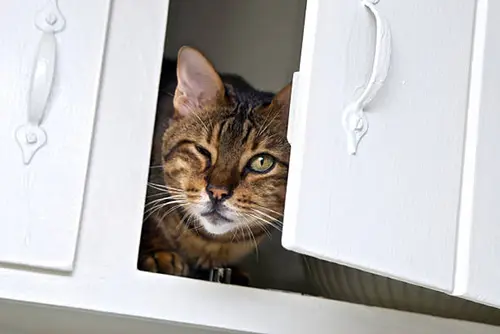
219	168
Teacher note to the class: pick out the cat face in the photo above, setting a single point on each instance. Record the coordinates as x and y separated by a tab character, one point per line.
225	160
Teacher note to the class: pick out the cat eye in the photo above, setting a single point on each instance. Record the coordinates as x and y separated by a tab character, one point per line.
203	151
261	163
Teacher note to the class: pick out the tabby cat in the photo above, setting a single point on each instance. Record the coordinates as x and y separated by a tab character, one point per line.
219	168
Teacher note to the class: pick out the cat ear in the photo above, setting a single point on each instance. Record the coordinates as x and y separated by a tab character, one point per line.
198	84
281	101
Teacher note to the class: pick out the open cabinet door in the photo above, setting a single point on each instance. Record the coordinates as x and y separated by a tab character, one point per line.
392	208
478	270
51	55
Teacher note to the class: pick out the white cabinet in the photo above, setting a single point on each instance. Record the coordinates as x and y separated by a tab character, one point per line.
121	299
478	270
392	208
418	202
41	200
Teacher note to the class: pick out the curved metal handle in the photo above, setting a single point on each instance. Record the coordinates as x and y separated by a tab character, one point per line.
354	120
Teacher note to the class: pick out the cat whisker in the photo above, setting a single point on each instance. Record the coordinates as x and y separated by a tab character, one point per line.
161	192
165	194
157	187
160	220
186	216
273	136
151	211
154	206
166	198
262	225
195	229
159	206
268	209
157	209
176	207
246	223
156	184
201	121
269	223
235	233
238	228
182	204
181	221
163	187
267	216
252	236
259	219
172	189
169	192
266	124
158	193
264	228
172	195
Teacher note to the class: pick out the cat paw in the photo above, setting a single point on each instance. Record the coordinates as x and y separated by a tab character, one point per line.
207	262
165	263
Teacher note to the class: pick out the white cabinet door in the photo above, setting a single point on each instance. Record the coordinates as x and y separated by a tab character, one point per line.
391	209
478	261
41	198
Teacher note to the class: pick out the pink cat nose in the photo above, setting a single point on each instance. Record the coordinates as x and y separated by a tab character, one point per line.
218	193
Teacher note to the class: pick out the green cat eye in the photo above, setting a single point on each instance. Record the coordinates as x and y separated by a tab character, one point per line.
262	163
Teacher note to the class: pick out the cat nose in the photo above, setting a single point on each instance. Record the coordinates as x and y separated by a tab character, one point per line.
218	193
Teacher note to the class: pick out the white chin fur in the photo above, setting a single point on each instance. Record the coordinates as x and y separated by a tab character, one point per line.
218	229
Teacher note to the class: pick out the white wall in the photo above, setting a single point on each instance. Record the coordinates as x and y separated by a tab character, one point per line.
258	39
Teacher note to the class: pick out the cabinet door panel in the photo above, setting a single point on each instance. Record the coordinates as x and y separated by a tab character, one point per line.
478	270
41	202
391	209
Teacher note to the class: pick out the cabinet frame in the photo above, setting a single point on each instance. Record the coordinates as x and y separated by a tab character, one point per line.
106	281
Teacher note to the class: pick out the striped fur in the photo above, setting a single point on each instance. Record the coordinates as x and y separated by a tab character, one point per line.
212	144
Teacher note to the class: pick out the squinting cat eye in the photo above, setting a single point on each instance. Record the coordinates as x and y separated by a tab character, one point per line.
261	163
204	151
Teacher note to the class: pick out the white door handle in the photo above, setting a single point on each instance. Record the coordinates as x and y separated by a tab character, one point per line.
354	119
31	136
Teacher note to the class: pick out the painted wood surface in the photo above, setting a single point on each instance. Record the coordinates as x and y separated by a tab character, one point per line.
41	203
105	280
393	208
343	318
478	260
